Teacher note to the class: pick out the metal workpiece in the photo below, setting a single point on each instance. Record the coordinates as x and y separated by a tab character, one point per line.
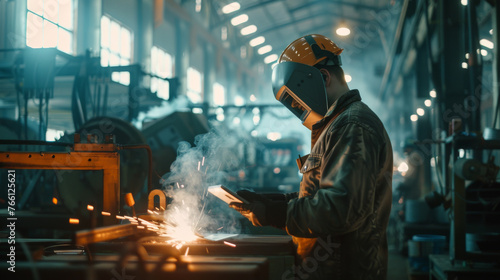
102	234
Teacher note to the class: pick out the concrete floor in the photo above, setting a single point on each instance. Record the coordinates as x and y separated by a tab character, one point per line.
397	267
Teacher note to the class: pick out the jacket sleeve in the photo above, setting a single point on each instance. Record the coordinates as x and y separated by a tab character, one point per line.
345	196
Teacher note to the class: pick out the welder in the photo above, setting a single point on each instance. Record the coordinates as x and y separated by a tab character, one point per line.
338	220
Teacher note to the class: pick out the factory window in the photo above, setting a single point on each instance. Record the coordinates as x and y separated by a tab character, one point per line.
116	48
194	85
219	95
161	66
49	24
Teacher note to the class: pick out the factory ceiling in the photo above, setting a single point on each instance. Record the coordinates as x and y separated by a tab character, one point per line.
366	22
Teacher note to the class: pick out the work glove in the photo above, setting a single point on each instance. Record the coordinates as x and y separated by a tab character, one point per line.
280	196
260	210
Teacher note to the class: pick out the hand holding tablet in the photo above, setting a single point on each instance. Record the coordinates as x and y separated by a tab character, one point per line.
226	194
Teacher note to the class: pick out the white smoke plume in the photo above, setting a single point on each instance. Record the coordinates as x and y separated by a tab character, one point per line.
211	161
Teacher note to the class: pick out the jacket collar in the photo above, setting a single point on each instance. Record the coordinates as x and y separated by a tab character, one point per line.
340	104
337	107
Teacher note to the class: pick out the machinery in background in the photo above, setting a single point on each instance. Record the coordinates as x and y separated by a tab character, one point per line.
163	136
78	188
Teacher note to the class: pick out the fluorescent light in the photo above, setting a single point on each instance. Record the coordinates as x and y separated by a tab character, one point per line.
420	111
197	111
256	119
231	7
432	93
348	78
428	102
270	58
273	136
414	118
248	30
239	101
257	41
239	19
343	31
403	167
265	49
487	43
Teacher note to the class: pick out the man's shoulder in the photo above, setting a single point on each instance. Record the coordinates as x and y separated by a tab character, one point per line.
358	113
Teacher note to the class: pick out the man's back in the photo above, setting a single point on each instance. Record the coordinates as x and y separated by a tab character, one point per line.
339	221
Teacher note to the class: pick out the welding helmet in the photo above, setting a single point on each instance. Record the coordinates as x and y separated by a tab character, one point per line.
298	84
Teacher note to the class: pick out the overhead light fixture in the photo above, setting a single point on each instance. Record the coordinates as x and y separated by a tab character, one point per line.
491	31
464	65
237	20
484	52
420	111
248	30
343	31
239	101
257	41
428	102
432	93
414	118
348	78
464	2
270	58
487	43
265	49
231	7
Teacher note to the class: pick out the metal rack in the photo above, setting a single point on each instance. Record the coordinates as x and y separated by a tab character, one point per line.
457	188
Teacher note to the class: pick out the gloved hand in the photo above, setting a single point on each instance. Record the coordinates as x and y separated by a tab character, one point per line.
280	196
260	210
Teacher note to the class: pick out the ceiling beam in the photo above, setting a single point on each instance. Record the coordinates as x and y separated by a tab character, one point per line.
226	18
335	2
308	17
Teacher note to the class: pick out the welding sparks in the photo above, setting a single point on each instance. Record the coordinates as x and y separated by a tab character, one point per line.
203	161
220	228
199	165
229	244
74	221
187	251
120	217
90	207
54	200
105	213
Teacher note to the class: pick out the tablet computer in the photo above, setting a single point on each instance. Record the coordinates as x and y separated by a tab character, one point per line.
226	194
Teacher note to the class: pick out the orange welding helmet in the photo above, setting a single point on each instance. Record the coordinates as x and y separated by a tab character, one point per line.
311	50
299	85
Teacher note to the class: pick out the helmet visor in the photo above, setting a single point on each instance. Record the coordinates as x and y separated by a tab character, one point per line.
301	89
